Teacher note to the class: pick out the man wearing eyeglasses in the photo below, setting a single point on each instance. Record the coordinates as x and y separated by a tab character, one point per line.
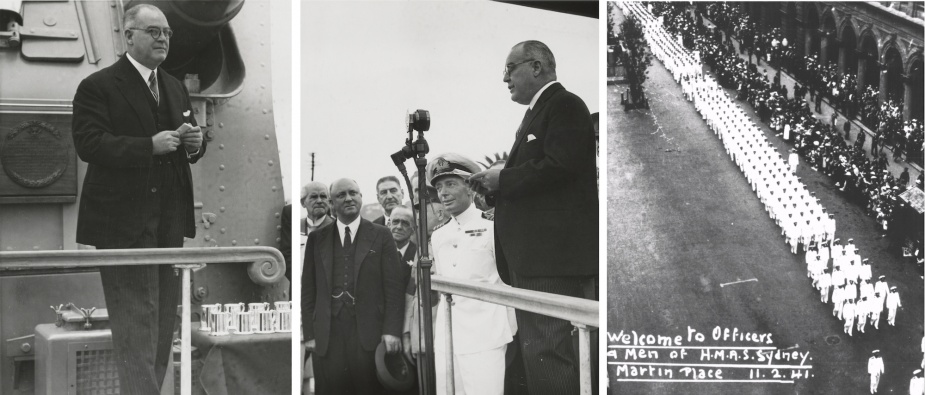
546	222
352	297
132	126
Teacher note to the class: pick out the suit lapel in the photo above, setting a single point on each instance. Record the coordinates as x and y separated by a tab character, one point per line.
410	252
136	94
364	241
327	252
525	126
172	97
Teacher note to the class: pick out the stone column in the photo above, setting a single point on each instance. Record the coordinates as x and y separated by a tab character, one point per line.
824	50
842	56
883	77
907	97
862	72
807	41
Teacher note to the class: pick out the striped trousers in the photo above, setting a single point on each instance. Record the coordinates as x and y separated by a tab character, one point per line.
547	344
142	300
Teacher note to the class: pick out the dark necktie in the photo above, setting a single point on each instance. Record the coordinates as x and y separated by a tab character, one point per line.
152	85
347	241
521	128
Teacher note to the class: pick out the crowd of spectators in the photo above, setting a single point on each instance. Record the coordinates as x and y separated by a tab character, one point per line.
903	138
824	145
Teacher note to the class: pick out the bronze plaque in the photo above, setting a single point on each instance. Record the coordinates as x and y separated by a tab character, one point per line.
35	154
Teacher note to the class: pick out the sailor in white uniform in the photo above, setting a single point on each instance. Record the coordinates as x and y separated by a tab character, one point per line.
875	369
464	249
892	304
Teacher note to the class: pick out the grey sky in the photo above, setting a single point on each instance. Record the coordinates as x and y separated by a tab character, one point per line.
364	64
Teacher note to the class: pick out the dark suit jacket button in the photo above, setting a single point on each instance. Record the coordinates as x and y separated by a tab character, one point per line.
153	189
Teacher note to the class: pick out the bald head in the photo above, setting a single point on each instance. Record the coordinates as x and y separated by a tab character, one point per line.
347	199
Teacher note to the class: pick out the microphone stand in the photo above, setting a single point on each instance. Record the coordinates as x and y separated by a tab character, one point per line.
418	150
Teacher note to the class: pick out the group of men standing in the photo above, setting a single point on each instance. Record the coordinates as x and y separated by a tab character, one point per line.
357	274
855	296
132	125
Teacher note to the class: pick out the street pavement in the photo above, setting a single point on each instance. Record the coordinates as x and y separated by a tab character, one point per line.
683	221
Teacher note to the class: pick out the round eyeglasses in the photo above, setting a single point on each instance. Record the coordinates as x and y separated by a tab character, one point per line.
509	68
155	32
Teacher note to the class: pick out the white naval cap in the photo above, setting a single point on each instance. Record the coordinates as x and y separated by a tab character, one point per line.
450	164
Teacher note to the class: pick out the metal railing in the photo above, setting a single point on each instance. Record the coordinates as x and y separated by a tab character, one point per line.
266	267
581	313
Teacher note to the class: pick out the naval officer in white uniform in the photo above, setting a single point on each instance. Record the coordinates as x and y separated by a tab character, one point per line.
464	248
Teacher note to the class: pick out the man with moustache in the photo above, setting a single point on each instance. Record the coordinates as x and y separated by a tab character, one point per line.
317	203
315	200
352	297
132	126
390	195
549	178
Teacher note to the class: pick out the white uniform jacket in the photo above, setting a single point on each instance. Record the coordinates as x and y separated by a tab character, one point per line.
464	248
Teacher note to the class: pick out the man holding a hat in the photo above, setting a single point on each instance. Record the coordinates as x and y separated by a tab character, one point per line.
464	248
352	297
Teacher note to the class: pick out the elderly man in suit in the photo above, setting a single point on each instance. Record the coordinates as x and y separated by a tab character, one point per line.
390	196
317	203
549	178
132	126
352	297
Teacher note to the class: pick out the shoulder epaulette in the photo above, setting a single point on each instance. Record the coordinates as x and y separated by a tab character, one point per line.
488	216
444	223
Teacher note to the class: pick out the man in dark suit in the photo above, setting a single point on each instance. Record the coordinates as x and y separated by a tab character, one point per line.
132	124
317	203
315	199
402	228
390	195
548	182
352	297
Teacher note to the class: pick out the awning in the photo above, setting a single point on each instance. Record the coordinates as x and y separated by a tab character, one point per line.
915	197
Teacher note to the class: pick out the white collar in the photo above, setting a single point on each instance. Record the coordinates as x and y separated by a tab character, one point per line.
540	92
353	229
319	222
401	251
143	70
466	216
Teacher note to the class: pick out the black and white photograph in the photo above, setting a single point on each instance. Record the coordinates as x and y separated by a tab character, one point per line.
764	198
451	211
144	156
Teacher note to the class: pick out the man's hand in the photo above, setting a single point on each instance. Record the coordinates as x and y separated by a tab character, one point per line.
165	142
392	344
486	182
191	136
309	346
406	345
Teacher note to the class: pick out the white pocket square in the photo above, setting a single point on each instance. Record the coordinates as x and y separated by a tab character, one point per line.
530	137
